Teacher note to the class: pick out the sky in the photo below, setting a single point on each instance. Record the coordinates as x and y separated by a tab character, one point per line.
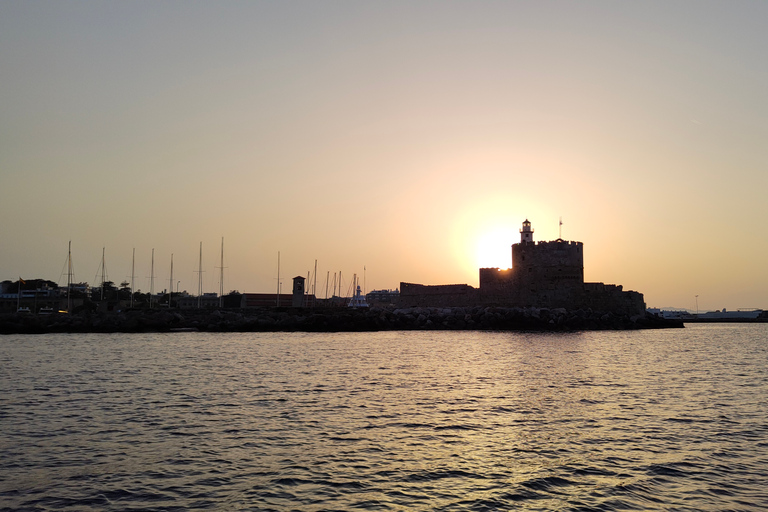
398	140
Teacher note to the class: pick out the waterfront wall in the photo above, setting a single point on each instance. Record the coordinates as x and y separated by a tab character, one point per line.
500	289
331	320
444	295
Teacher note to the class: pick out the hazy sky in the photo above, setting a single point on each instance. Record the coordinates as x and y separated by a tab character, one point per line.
409	138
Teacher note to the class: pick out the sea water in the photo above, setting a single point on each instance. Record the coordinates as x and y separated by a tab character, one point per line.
646	420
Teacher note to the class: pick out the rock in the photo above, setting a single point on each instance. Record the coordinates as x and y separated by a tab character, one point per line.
331	319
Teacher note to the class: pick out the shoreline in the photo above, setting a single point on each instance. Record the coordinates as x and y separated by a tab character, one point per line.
330	320
758	320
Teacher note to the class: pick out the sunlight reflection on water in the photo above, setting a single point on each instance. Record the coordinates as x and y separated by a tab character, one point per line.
393	420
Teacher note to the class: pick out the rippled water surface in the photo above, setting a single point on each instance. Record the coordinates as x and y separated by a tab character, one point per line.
664	420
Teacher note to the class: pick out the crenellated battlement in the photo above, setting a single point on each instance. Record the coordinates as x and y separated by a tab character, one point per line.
557	242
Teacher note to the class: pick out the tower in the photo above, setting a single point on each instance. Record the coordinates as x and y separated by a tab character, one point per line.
298	292
526	234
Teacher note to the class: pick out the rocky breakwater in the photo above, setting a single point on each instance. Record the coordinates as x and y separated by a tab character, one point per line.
332	320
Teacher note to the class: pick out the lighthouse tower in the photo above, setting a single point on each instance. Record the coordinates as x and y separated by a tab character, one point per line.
526	234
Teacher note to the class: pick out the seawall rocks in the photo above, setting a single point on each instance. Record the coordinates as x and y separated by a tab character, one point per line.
332	320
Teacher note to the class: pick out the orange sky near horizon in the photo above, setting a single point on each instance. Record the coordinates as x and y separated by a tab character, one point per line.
402	141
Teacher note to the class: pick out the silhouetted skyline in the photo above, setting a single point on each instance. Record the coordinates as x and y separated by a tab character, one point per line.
409	138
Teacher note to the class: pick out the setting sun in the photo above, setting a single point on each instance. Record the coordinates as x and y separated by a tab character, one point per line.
493	248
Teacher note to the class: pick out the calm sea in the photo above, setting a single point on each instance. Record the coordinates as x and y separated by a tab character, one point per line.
650	420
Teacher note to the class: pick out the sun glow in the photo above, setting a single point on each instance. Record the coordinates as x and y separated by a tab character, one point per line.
493	248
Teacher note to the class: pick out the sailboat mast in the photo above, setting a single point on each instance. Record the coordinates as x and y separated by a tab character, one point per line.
69	278
152	278
170	290
200	278
278	278
133	268
221	276
327	279
314	287
102	272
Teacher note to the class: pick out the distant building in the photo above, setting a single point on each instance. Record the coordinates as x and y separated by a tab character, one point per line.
382	297
205	301
35	294
750	314
269	300
265	300
543	274
677	314
712	316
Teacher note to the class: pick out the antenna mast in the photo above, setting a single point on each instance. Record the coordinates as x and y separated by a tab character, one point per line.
560	236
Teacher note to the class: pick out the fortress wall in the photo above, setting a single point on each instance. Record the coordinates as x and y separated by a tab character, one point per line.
447	295
531	286
602	287
557	253
571	298
611	297
554	276
544	262
595	296
539	296
493	277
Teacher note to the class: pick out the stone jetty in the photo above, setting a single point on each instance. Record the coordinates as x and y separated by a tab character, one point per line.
331	320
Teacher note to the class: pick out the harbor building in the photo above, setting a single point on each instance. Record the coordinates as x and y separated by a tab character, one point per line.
543	274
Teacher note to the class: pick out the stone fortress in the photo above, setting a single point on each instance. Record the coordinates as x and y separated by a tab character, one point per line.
543	275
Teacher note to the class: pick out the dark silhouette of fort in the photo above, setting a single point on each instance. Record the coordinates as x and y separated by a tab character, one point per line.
543	275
